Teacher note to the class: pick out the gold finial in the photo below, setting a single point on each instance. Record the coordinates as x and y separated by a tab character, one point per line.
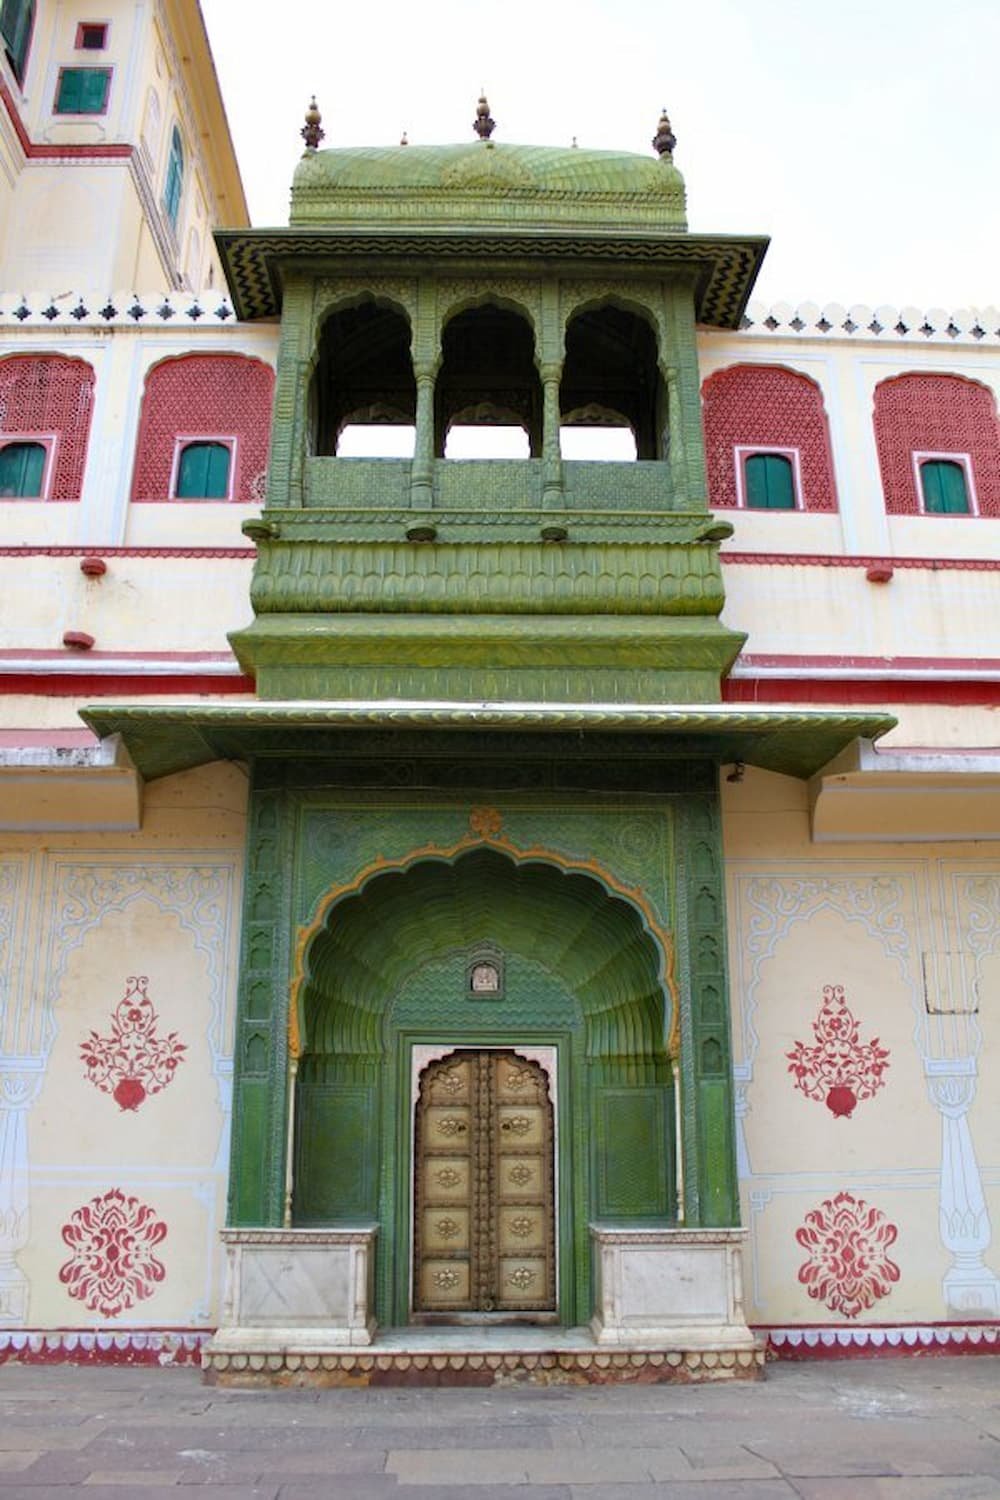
664	140
404	139
312	131
484	123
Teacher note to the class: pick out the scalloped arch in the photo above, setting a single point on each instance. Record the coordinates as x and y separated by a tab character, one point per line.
458	301
598	942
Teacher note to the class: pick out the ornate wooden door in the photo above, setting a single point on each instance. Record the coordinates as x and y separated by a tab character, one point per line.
484	1221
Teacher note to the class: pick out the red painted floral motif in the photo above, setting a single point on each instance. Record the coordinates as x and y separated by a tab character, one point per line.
112	1265
133	1061
840	1070
848	1268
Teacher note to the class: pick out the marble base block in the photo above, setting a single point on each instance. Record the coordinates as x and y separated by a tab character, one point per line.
309	1287
669	1287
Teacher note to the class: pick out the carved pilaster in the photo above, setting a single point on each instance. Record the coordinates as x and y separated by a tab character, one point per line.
969	1285
708	1143
18	1089
260	1102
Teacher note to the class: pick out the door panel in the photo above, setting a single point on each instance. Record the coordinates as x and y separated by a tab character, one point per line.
484	1221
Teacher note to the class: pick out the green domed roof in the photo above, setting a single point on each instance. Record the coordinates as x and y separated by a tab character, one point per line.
487	183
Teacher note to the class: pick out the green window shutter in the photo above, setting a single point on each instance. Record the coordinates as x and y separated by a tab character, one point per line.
70	92
22	466
82	91
174	184
945	491
16	21
95	91
770	482
203	472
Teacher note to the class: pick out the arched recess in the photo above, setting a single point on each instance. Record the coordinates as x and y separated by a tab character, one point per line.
583	973
488	376
362	373
933	415
611	376
224	397
52	396
759	409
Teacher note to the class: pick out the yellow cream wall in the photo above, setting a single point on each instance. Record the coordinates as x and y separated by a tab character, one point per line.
83	922
97	223
847	370
814	610
142	604
884	1212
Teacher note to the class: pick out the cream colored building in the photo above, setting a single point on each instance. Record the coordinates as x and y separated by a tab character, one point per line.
864	901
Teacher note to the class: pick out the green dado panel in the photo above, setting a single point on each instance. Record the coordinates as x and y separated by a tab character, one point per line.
337	1149
635	1154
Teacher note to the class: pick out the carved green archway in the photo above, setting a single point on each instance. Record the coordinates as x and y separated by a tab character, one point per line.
582	974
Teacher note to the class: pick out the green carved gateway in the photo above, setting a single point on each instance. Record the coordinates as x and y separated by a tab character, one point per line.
483	1009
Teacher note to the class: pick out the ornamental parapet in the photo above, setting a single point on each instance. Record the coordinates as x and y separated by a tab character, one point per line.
885	324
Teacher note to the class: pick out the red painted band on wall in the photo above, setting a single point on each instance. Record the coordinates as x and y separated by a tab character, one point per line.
949	692
37	152
78	685
879	1340
95	549
845	560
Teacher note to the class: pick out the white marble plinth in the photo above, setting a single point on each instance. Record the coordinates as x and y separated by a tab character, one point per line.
662	1287
307	1287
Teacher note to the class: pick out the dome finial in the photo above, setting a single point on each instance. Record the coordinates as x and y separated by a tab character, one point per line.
312	131
484	123
664	140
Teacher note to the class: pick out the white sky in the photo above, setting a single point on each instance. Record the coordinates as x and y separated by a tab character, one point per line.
862	135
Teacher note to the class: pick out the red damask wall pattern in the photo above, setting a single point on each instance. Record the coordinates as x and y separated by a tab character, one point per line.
48	393
112	1264
768	407
215	395
935	414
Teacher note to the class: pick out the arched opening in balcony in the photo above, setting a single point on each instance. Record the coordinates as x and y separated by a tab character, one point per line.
488	396
612	387
363	394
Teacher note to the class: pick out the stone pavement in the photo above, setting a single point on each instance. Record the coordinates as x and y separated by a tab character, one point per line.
863	1430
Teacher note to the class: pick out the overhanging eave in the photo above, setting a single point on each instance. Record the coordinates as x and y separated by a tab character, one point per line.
724	267
177	737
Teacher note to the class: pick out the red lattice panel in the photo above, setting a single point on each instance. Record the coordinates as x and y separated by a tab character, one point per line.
49	393
935	414
765	406
218	395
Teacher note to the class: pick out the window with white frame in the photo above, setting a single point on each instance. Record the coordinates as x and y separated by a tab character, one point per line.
25	465
944	484
768	478
203	468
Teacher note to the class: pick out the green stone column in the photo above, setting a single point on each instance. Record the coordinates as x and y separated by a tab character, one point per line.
260	1062
711	1195
552	475
422	472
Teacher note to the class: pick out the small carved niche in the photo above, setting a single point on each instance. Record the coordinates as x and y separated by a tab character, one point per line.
484	974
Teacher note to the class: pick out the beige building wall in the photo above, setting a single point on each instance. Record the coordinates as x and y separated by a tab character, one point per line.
85	922
94	217
902	1180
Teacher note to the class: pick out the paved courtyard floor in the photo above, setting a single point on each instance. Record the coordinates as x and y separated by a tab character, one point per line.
906	1429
